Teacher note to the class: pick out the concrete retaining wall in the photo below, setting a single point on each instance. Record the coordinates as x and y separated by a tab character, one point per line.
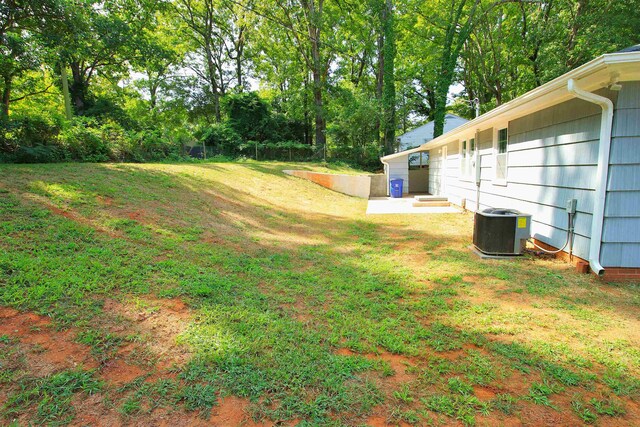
378	185
363	186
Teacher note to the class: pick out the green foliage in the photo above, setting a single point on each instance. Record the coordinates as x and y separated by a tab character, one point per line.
222	139
353	130
52	395
251	126
267	322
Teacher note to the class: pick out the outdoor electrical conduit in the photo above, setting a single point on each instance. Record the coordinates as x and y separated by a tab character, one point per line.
602	171
386	175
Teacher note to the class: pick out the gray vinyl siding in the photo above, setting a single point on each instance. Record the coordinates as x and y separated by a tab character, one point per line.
621	232
552	157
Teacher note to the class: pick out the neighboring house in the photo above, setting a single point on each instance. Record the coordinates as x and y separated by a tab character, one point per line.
422	134
575	137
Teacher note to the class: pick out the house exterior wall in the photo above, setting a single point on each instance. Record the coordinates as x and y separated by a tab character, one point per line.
621	233
552	157
399	168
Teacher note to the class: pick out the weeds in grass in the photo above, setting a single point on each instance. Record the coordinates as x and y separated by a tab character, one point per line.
505	403
103	344
52	395
539	393
403	394
276	285
462	407
583	412
608	406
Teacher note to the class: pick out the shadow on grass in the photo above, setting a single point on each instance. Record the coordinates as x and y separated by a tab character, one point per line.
271	312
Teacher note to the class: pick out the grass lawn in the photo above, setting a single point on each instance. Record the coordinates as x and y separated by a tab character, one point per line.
232	294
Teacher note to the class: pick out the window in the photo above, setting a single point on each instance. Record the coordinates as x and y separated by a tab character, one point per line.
467	160
502	141
501	148
418	160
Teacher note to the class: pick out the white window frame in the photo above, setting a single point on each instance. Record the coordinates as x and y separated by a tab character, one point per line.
496	134
467	160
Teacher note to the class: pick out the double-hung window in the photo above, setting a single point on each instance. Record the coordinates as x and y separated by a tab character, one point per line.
501	147
464	159
467	158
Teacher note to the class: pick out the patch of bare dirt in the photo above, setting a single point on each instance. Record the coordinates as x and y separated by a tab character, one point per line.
232	411
91	411
398	363
497	419
380	421
160	322
46	350
117	371
484	393
538	415
136	215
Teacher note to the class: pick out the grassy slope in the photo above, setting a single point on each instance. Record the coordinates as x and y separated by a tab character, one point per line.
282	277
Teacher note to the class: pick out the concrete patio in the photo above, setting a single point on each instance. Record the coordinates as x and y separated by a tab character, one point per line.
404	205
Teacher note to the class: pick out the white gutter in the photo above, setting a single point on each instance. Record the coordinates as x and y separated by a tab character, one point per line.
626	61
601	173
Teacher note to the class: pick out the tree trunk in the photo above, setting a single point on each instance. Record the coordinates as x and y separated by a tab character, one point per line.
389	88
212	73
239	71
315	15
320	121
6	96
442	89
65	91
380	73
308	139
78	89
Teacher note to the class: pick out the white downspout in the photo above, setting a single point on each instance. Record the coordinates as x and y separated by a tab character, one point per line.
386	174
602	171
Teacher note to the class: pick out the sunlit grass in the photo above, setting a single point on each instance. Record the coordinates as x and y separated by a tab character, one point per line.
280	274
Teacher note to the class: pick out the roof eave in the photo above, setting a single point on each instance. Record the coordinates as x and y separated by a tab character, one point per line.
556	89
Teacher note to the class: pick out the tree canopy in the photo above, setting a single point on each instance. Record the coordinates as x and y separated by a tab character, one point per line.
311	79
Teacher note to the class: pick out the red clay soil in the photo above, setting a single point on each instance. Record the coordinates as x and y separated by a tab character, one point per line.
46	349
379	421
398	363
161	326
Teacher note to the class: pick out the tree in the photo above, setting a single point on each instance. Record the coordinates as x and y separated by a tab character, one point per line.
20	52
388	77
95	36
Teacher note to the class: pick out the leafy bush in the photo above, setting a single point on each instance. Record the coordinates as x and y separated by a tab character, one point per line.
354	132
222	139
83	141
248	115
29	140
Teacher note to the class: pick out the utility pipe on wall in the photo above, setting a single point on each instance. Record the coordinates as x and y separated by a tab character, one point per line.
478	171
386	174
602	171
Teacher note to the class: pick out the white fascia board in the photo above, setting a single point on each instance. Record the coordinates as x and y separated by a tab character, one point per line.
402	153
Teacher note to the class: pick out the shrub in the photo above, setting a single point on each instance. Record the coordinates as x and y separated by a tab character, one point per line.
221	138
83	141
29	140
